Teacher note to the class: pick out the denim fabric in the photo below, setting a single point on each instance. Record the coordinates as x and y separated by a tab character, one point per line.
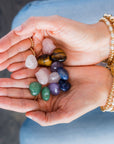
95	127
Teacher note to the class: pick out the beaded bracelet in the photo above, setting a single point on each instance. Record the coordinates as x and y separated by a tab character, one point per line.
109	21
109	106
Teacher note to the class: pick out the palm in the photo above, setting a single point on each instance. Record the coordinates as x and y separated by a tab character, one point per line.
84	95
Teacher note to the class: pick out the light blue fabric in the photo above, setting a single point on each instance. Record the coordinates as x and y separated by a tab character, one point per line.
94	127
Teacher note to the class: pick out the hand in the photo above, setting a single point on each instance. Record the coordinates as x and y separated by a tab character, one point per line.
84	44
90	88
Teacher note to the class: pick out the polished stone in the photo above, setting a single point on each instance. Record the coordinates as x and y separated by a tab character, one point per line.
54	77
54	88
42	76
55	66
64	85
58	55
31	62
63	73
47	46
45	94
35	88
44	60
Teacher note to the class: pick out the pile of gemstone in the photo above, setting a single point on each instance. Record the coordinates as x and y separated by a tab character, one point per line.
52	77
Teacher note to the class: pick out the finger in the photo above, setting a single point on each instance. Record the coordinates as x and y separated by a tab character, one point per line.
16	93
27	29
23	83
18	105
16	66
46	119
24	73
9	40
47	23
14	50
21	57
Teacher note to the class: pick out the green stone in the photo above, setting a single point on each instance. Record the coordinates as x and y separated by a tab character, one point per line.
35	88
45	93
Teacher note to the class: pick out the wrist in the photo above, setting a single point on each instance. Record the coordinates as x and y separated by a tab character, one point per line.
106	87
102	38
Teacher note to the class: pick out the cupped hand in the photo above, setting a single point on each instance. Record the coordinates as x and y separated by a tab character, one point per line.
90	87
84	44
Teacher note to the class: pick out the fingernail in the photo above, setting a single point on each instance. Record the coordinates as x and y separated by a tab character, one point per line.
29	117
18	29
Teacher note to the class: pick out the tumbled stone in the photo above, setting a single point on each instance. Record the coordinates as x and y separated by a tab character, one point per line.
31	62
58	55
48	46
45	93
64	85
35	88
63	73
54	77
54	88
42	76
55	66
44	60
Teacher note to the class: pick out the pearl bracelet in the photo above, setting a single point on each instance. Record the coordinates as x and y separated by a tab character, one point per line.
109	22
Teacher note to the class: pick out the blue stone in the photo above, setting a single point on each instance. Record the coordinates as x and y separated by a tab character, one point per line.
63	73
64	85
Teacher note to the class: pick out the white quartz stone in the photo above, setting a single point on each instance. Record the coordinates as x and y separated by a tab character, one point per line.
31	62
42	76
48	46
54	77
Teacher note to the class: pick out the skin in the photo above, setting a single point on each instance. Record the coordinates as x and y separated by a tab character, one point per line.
90	87
84	45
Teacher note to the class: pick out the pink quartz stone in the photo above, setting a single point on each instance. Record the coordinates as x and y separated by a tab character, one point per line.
42	76
54	77
31	62
48	46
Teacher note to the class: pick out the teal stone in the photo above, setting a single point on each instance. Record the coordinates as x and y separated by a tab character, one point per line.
35	88
45	94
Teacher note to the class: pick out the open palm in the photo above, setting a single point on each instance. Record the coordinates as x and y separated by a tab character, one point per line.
90	87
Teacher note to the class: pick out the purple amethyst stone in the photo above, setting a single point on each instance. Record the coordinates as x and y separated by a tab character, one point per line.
54	89
55	66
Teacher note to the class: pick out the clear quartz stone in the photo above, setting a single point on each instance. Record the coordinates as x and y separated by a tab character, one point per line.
31	62
54	77
42	76
48	46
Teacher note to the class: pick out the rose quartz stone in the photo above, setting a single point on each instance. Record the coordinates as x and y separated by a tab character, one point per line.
48	46
31	62
54	77
42	76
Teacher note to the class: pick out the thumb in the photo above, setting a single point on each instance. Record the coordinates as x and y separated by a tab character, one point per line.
47	23
46	118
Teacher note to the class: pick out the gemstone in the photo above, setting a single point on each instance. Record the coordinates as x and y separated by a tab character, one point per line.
55	66
54	89
45	93
44	60
35	88
64	85
63	73
31	62
42	76
48	46
58	55
54	77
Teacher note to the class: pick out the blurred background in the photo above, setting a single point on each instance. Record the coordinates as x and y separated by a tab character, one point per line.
10	122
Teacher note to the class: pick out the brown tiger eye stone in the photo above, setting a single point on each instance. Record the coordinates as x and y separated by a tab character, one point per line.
58	55
44	60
